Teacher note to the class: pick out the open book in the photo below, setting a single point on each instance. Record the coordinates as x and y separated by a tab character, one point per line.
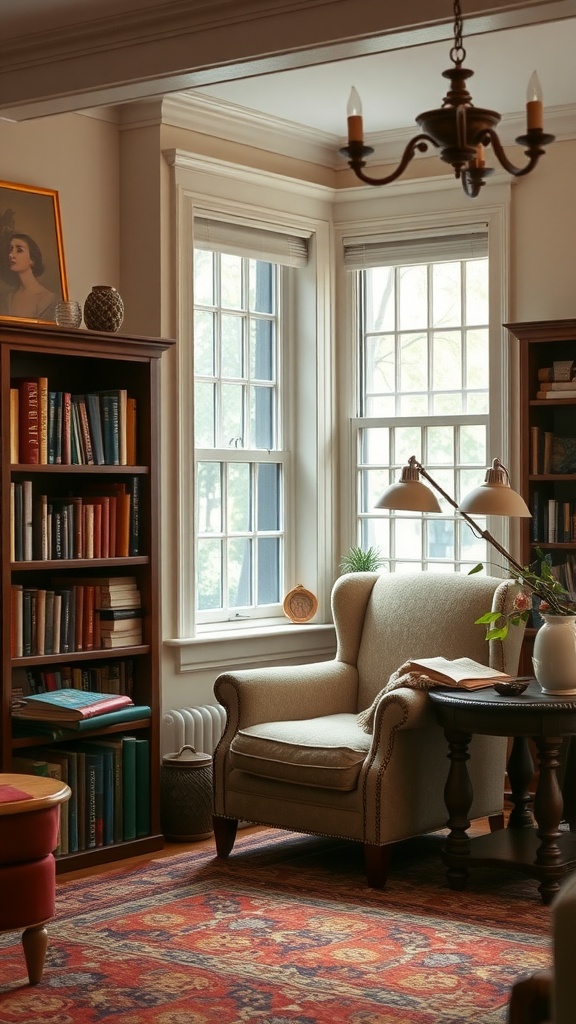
462	673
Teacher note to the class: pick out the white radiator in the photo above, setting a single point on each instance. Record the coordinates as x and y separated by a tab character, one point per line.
201	727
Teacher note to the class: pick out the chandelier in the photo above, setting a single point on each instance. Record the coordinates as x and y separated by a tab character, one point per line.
461	131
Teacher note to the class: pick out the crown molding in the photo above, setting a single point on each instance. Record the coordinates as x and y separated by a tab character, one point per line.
233	123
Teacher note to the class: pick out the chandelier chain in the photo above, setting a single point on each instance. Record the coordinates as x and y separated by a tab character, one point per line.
457	53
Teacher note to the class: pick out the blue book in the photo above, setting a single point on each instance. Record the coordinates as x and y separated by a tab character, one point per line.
71	705
94	807
129	787
142	787
29	727
105	799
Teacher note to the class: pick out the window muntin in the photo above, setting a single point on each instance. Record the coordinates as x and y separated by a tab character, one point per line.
240	463
424	390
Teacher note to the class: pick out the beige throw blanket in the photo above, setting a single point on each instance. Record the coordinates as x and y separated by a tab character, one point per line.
401	677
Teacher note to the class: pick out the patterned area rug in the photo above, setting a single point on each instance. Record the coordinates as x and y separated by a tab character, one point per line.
284	932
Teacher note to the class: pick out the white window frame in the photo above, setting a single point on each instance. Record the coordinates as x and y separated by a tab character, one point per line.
205	187
400	210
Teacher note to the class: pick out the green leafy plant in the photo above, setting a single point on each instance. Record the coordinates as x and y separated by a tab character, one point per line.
361	560
536	579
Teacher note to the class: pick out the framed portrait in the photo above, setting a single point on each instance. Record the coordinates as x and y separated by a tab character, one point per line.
32	268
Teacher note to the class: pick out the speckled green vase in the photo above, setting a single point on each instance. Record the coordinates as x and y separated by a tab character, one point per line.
103	309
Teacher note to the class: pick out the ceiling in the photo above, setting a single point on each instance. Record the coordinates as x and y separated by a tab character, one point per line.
397	85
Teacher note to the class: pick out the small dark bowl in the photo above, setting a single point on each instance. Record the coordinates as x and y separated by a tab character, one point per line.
511	689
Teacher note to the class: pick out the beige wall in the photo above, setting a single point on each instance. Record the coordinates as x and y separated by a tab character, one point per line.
115	203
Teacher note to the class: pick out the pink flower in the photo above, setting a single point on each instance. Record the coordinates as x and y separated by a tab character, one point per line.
522	602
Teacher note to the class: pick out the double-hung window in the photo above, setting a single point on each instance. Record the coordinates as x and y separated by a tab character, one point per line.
241	451
422	314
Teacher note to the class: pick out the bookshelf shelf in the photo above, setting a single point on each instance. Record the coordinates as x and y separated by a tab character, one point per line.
60	363
546	425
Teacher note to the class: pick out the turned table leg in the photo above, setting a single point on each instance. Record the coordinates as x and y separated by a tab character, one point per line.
520	773
548	806
458	798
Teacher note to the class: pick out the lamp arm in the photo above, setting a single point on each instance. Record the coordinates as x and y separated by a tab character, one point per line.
534	152
355	152
543	590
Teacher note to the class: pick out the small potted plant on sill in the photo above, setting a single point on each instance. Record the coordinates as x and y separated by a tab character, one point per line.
361	560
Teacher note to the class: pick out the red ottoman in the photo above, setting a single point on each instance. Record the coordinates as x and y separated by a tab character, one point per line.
29	820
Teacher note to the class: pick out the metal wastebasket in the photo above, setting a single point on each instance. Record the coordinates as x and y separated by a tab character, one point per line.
186	800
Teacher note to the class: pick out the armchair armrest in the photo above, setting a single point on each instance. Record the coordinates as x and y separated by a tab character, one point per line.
287	692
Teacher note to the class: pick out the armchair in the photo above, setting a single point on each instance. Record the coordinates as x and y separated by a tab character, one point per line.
292	754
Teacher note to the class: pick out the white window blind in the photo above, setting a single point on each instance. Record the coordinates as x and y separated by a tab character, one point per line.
386	251
287	249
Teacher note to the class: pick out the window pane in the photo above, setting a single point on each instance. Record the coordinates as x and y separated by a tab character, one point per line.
476	292
203	278
446	295
440	538
407	441
204	343
380	367
472	442
209	574
408	537
239	572
239	503
233	415
440	446
231	346
261	350
268	570
413	362
262	418
231	281
374	442
209	497
204	415
268	498
447	360
477	359
379	299
261	286
413	304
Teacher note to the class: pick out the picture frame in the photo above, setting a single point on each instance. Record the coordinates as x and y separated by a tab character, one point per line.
32	267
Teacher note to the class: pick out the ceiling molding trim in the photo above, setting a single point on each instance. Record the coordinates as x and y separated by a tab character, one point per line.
216	117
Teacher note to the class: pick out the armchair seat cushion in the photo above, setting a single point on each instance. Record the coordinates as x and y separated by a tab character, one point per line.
326	752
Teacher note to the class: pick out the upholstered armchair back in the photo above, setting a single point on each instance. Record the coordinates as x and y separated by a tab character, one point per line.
384	620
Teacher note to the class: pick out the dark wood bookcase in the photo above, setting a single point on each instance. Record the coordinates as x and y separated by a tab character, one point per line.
542	342
81	361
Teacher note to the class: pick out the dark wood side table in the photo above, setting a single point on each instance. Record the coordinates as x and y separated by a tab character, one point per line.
534	846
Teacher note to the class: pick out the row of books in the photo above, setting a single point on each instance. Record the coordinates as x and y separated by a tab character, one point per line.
110	783
56	427
115	676
553	521
550	453
99	525
79	615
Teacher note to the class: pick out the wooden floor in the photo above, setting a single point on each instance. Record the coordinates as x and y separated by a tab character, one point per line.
169	850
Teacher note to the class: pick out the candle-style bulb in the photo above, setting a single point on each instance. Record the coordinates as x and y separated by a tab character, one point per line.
534	108
534	89
354	112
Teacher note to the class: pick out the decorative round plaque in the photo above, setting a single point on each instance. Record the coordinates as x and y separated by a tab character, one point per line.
300	605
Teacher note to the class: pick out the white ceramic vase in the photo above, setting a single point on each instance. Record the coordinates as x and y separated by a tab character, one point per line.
554	657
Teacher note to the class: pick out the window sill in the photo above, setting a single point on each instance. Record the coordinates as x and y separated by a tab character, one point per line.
254	645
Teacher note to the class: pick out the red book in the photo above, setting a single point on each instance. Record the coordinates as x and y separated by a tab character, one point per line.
97	529
29	421
88	618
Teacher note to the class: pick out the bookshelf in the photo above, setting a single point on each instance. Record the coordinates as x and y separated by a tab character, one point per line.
547	451
61	492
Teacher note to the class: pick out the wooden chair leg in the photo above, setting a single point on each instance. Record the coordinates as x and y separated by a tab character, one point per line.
496	821
531	999
35	943
377	861
224	834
